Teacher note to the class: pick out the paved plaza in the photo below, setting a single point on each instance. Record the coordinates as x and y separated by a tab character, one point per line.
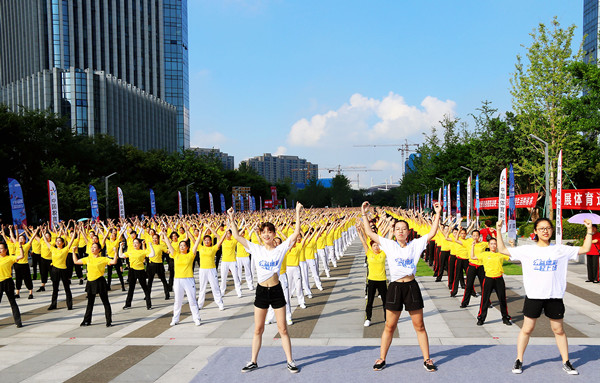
328	337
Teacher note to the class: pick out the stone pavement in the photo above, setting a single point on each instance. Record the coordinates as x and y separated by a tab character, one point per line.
326	336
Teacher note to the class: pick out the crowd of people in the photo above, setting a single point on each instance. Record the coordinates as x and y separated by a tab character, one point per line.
279	251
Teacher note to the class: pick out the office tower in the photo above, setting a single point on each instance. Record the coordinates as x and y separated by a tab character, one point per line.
278	168
590	30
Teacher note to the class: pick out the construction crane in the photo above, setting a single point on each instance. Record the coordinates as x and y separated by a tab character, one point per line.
404	149
307	170
339	169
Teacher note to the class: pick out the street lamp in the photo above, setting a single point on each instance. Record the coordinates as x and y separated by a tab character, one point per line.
470	176
439	179
547	200
106	189
187	197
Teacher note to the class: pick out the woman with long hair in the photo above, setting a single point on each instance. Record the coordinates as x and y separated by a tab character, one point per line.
376	277
59	270
137	255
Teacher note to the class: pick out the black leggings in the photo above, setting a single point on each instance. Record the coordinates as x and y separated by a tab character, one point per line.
57	276
7	286
100	286
35	261
23	274
373	286
157	269
119	273
137	275
45	265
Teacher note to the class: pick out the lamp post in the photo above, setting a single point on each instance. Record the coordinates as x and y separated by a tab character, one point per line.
106	189
439	179
187	197
470	176
547	200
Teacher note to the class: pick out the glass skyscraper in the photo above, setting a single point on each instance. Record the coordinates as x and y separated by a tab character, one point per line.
590	30
117	67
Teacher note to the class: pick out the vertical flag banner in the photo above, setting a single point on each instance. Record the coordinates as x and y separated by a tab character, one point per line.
211	203
17	203
241	202
502	200
512	210
198	203
152	203
458	215
250	207
559	200
261	204
180	207
53	202
253	203
431	200
223	207
121	203
477	199
469	201
449	202
285	203
94	203
233	202
444	203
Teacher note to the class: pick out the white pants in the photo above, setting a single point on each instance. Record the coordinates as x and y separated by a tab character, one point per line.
304	276
331	255
295	283
338	248
225	268
245	263
286	293
208	276
313	266
322	256
187	285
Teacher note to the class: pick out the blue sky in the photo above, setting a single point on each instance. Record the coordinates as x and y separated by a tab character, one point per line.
313	78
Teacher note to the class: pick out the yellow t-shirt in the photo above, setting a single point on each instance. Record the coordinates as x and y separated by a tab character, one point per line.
159	250
228	247
36	246
329	238
111	245
95	266
293	256
376	263
207	256
241	250
136	258
477	251
26	247
59	257
321	241
310	249
492	263
183	264
6	266
462	251
46	252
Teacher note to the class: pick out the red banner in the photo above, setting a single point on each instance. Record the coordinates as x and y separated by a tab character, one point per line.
578	199
521	201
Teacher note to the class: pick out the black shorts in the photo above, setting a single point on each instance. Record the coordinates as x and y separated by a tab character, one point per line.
553	308
407	294
269	296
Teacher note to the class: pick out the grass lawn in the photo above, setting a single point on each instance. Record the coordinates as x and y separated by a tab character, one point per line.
423	269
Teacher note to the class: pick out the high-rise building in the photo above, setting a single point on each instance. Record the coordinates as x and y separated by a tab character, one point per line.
278	168
226	159
591	28
116	67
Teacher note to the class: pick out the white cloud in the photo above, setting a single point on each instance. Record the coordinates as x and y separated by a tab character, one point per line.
281	150
366	120
203	139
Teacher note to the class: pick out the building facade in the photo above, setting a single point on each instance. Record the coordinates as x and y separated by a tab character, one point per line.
278	168
591	27
226	159
117	67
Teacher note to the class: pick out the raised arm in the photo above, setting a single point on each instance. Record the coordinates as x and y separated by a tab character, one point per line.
587	242
500	241
167	242
296	232
365	222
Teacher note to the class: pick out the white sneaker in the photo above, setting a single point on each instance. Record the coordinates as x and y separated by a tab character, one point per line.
320	288
197	322
239	295
302	306
367	323
221	307
267	322
173	323
309	296
289	322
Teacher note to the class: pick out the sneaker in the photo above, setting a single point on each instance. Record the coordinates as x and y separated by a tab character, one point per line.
507	321
379	365
289	322
40	289
518	367
291	366
17	296
221	307
569	369
320	288
30	296
268	322
429	366
251	366
173	323
309	296
479	322
197	322
302	306
367	323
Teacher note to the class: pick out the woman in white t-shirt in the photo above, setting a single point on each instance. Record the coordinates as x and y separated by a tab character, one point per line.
403	291
268	260
545	281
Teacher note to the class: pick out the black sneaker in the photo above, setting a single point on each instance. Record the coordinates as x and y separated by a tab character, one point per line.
429	366
507	321
569	369
479	322
251	366
291	366
518	367
379	366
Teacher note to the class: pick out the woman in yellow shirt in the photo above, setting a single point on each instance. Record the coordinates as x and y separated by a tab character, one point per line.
207	273
112	247
7	285
242	258
46	258
156	266
184	282
59	270
229	263
137	255
376	278
96	283
22	272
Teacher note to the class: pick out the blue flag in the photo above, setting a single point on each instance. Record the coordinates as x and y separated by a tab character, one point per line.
477	197
223	207
241	202
152	204
458	199
94	203
512	210
198	203
253	203
17	204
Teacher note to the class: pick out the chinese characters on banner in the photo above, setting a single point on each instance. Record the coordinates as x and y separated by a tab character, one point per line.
578	199
521	201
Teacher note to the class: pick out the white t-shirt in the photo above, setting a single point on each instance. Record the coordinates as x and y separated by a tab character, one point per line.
268	262
544	269
402	261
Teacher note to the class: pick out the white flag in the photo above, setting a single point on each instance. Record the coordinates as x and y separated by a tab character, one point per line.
53	202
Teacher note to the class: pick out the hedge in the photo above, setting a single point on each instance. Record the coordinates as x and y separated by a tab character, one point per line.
570	230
